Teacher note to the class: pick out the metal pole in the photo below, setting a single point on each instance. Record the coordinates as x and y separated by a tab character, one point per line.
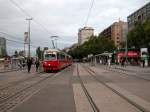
56	43
29	35
126	49
24	50
53	44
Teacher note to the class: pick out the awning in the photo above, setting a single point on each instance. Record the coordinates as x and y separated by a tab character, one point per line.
129	54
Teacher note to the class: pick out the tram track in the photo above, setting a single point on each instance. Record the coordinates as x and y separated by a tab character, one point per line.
8	101
9	92
11	84
25	91
93	74
91	101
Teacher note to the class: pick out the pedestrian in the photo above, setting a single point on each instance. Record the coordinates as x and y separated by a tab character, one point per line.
23	63
37	63
29	63
5	63
122	62
109	62
20	64
143	62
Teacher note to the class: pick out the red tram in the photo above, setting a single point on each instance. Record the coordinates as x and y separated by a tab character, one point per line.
55	59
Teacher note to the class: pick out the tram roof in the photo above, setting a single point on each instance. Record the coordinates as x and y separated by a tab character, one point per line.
54	50
57	50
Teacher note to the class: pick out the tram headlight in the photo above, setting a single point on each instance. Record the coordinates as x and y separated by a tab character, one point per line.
45	63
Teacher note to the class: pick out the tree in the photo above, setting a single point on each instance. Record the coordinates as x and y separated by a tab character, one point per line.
21	53
147	32
39	53
95	45
16	54
139	36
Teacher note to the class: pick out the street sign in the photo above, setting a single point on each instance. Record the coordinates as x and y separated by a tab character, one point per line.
143	51
26	37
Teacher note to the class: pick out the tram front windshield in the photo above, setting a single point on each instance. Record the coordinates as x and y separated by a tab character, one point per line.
50	56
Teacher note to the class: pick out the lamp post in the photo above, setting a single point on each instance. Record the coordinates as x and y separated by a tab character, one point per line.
29	19
126	48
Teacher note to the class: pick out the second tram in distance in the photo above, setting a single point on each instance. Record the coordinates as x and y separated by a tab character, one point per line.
55	60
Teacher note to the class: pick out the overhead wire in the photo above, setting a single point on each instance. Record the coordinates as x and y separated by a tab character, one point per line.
89	12
1	32
27	14
14	40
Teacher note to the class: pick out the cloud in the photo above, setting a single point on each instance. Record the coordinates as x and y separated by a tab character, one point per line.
62	18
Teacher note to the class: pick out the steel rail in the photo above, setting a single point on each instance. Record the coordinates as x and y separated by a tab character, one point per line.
92	103
26	88
93	74
12	84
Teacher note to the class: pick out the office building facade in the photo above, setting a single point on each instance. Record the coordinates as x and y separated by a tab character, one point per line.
116	32
2	47
139	16
84	34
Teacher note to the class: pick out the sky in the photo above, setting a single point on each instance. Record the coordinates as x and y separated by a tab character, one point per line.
60	18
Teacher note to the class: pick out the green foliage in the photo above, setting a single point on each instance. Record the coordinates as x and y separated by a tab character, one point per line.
2	53
16	54
39	53
95	45
139	36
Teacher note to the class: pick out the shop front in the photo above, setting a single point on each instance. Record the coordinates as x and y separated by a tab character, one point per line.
131	57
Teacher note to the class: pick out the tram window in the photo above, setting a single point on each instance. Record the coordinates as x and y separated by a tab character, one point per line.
58	56
50	56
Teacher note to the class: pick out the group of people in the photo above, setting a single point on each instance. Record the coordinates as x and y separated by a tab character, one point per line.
123	61
30	62
131	62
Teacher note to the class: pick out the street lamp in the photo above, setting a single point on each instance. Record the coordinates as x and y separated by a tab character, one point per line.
126	48
29	19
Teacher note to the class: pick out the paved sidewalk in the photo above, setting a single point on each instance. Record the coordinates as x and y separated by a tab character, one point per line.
132	68
129	68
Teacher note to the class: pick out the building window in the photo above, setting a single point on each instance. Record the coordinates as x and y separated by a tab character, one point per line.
139	17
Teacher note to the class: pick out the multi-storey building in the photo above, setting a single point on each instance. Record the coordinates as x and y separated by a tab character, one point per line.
84	34
2	46
140	15
116	32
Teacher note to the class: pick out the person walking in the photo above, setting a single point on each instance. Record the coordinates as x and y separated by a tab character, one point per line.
143	62
37	63
23	63
29	63
122	62
109	62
